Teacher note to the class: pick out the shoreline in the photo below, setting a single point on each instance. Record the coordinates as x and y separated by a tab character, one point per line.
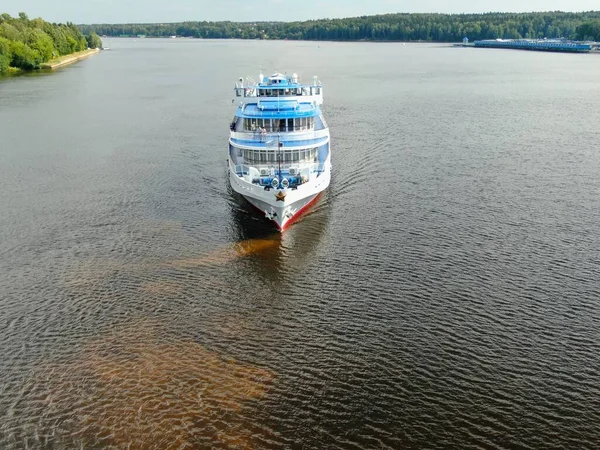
69	59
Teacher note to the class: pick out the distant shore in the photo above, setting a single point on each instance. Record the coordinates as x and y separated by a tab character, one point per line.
69	59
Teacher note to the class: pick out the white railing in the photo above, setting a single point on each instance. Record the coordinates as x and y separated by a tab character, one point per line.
286	136
272	169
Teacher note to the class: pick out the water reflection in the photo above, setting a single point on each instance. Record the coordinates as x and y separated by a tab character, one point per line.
297	244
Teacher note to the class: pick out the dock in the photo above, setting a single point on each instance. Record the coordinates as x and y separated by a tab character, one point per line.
548	45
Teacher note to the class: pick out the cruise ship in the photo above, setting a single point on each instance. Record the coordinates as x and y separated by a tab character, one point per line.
279	149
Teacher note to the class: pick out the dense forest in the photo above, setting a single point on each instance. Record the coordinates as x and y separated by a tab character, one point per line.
387	27
26	44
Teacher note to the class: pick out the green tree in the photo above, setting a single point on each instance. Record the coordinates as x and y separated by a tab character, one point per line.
589	31
41	42
25	43
24	57
93	40
5	55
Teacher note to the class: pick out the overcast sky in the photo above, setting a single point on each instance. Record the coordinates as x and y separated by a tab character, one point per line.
122	11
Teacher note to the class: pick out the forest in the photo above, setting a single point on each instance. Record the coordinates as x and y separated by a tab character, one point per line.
25	44
386	27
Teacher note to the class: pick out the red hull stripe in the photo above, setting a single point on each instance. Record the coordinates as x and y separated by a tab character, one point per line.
295	217
300	212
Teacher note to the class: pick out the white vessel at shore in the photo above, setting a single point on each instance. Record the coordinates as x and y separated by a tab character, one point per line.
279	149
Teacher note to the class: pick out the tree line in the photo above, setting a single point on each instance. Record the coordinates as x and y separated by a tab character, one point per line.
26	44
386	27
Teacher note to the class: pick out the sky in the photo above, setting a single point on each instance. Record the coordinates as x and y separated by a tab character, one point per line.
157	11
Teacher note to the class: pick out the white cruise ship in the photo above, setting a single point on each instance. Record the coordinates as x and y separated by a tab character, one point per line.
279	150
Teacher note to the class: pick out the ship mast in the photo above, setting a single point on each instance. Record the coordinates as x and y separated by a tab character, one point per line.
279	145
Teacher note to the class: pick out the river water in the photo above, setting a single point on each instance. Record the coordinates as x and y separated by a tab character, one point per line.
444	292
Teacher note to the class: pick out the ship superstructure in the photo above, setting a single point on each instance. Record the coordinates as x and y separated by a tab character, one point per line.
279	147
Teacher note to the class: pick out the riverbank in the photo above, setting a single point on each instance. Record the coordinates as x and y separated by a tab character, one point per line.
69	59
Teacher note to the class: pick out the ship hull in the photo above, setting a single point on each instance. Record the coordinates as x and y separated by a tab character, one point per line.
282	206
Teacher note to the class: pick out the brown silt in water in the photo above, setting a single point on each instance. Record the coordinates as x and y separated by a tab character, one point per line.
137	388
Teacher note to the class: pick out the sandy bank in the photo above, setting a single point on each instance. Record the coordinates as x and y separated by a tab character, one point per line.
69	59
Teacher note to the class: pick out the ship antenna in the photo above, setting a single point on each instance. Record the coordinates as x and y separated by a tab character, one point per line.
279	157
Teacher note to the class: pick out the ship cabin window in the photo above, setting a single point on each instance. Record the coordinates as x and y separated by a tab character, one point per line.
271	92
304	123
288	156
277	125
250	124
279	92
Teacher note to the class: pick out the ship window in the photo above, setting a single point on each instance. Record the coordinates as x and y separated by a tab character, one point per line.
250	124
288	156
290	124
295	156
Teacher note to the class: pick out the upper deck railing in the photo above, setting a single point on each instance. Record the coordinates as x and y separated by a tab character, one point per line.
289	136
276	86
